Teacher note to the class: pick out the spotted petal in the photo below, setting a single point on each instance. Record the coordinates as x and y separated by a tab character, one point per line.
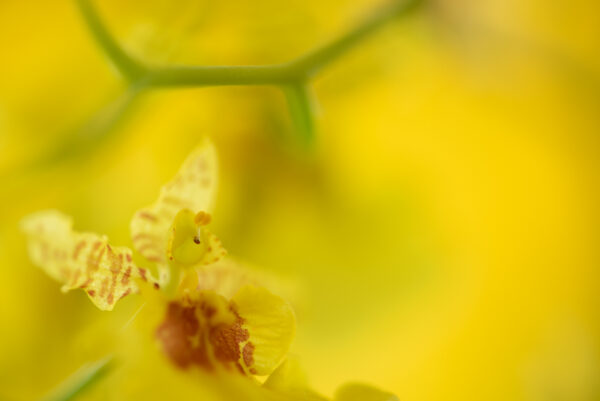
271	325
193	188
252	332
82	260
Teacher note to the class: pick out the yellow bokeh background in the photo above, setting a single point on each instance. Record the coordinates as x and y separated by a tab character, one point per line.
439	241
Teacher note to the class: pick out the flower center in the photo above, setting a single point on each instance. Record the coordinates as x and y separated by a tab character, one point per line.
188	242
205	330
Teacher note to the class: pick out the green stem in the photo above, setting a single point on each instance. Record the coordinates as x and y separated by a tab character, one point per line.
313	62
293	77
130	68
81	380
222	75
88	135
276	74
302	105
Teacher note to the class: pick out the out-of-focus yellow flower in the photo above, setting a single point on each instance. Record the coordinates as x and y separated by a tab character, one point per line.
290	379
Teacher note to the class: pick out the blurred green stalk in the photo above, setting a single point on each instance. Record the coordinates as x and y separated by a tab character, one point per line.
81	380
293	77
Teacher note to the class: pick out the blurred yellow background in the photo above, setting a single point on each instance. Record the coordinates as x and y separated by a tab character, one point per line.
441	238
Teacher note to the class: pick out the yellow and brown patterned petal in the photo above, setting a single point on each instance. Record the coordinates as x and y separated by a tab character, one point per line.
82	260
250	333
193	188
202	330
271	325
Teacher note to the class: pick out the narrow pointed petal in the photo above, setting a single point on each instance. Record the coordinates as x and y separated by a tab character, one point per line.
82	260
193	188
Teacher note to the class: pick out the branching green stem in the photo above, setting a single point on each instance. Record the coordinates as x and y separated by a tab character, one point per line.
298	70
130	68
292	77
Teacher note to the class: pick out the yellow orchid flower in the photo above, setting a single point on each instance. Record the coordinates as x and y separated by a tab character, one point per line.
251	330
215	315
